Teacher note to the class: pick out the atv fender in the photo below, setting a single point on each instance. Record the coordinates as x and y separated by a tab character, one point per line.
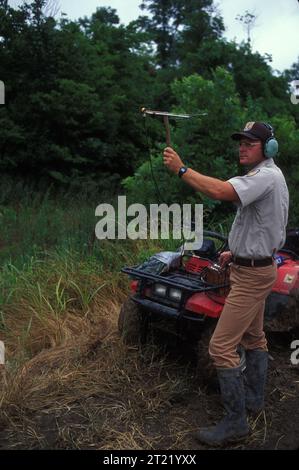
282	311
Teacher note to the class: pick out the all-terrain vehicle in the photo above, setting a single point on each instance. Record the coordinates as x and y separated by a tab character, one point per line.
186	291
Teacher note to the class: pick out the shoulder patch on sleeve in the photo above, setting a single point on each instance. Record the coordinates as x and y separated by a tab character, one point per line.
253	172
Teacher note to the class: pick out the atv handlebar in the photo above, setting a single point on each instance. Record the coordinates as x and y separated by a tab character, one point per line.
219	236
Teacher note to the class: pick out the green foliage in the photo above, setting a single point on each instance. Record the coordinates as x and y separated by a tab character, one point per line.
141	187
288	137
179	27
204	143
198	141
204	139
79	114
74	90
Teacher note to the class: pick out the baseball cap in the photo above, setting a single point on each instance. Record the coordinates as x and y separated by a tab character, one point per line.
255	130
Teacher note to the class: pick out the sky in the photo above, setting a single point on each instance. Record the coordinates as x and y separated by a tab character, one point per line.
275	30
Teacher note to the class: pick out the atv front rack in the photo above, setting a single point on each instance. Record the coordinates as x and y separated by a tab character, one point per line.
191	283
188	283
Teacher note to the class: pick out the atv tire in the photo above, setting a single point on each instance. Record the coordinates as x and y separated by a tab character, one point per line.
285	315
130	322
206	371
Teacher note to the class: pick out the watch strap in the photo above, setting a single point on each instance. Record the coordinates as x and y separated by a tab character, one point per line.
182	171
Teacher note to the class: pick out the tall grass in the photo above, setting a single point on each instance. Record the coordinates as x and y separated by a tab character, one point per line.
49	256
60	293
51	267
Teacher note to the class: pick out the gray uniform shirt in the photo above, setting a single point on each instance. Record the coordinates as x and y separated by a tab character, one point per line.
259	227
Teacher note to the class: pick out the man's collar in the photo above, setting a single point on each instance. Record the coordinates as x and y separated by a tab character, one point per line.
267	162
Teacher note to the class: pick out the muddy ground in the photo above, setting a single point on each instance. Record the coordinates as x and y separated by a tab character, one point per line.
115	397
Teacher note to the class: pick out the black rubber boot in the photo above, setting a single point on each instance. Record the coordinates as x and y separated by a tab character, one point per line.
233	426
255	376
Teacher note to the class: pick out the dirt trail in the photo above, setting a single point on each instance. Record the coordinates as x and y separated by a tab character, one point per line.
114	397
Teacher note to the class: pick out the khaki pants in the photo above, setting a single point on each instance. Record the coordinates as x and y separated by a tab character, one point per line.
242	318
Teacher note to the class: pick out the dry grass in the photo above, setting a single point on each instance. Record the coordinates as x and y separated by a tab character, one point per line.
96	393
70	382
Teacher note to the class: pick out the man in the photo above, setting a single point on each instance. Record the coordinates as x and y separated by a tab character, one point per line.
257	233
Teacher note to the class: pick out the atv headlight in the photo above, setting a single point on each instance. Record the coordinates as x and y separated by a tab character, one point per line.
175	294
160	290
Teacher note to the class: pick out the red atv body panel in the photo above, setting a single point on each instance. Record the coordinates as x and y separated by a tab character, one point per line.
287	277
192	292
210	304
205	304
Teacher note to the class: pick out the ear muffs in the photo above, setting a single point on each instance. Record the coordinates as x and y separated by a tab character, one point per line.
271	148
271	144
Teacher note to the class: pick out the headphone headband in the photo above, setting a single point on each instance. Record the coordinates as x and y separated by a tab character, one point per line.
268	126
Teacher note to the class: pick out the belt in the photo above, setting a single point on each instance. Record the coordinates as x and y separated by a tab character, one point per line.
257	263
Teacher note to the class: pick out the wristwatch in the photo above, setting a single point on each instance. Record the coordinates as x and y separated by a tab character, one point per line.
182	171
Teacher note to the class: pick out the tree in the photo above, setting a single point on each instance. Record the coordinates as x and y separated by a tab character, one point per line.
178	27
248	21
74	90
74	93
